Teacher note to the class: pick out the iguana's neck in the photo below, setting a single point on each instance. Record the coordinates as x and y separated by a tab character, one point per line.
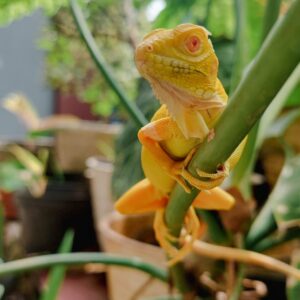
187	109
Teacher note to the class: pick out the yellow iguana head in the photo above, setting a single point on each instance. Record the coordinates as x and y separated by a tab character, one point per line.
181	66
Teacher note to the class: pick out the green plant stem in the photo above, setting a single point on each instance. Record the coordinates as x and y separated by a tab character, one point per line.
271	14
239	283
207	12
241	44
99	60
243	171
251	98
215	229
46	261
56	274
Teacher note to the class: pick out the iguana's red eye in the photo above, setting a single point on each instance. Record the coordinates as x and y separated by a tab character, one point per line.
193	43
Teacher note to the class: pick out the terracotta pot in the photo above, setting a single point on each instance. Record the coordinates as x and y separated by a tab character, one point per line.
118	235
74	145
99	172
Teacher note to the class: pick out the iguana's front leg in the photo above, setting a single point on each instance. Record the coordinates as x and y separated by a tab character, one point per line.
207	180
150	137
163	129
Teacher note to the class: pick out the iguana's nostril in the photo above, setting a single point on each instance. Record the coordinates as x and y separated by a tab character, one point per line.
149	48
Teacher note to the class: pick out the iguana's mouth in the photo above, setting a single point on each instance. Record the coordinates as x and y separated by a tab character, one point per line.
157	62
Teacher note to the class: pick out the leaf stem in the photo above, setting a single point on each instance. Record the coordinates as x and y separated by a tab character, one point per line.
243	171
239	283
271	14
99	60
45	261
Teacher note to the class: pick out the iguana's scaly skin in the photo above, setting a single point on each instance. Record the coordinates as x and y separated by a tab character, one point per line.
181	66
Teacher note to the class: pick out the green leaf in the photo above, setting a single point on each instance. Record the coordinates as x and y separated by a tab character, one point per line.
27	159
224	49
249	36
100	62
243	171
275	239
2	290
174	13
221	19
57	273
11	175
129	148
45	261
280	126
215	229
13	10
282	207
286	208
249	18
294	98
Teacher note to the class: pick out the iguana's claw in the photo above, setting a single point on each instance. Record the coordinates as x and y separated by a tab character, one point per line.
188	235
209	181
179	168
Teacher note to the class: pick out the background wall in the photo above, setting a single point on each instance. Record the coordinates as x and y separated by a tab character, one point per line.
22	70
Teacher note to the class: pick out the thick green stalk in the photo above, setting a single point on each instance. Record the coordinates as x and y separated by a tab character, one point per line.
241	44
275	61
99	60
242	173
271	14
239	283
46	261
272	66
215	229
207	12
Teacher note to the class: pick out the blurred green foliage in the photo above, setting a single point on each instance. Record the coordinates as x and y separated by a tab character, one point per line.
69	66
237	29
12	175
128	168
11	10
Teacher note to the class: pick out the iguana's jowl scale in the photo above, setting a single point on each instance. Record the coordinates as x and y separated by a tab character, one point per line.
181	66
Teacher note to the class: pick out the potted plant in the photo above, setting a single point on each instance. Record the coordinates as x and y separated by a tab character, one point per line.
45	194
231	248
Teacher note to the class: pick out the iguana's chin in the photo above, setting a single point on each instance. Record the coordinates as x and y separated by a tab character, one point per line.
185	107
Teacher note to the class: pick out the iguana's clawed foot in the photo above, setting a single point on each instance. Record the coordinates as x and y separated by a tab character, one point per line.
209	181
188	235
179	167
